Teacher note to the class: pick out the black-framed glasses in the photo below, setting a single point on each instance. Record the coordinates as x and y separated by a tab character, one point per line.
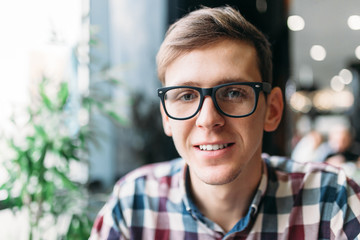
238	99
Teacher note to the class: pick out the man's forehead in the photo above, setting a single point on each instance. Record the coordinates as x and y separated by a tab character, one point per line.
226	61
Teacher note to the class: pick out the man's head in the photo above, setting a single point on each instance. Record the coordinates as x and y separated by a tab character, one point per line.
207	26
214	106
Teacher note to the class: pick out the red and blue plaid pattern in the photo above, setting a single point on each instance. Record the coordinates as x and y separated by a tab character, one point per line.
293	201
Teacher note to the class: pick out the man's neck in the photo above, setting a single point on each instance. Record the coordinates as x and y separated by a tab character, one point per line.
226	204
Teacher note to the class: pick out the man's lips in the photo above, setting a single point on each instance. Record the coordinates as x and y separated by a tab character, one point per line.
213	147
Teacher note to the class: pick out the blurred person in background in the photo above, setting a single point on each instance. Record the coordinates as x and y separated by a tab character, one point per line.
343	151
216	103
338	150
341	145
308	148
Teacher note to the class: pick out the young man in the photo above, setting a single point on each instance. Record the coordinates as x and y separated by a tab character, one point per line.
216	102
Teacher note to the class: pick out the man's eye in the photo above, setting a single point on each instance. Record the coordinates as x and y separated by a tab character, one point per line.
187	96
181	95
233	94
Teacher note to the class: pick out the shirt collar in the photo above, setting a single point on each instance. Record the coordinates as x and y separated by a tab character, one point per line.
193	210
185	188
260	192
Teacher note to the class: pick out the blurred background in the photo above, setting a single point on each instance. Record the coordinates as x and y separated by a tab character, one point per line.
79	107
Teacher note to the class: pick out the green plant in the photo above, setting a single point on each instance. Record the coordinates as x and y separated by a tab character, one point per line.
39	180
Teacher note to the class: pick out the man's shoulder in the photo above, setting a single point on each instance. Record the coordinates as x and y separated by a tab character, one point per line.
307	174
311	194
157	170
289	166
155	173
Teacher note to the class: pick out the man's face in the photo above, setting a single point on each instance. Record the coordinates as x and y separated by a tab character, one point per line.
224	62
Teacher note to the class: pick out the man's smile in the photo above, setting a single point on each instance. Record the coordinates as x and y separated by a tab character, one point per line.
213	147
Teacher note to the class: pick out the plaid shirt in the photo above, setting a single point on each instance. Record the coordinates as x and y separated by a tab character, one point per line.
293	201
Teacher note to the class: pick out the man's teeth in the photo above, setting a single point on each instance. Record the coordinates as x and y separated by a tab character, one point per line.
212	147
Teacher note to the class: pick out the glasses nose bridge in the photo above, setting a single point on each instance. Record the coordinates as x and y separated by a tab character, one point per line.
207	92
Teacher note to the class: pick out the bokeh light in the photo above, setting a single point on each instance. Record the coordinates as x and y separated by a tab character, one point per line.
318	53
295	23
354	22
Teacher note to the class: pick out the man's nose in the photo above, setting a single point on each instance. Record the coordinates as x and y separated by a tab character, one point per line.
209	116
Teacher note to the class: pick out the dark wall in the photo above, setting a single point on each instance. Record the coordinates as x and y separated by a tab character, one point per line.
354	114
272	23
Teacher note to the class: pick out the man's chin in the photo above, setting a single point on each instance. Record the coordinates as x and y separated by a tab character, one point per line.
217	177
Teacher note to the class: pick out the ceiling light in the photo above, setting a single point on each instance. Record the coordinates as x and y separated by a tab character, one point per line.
327	100
357	52
318	53
354	22
336	84
323	100
300	102
295	23
346	100
346	76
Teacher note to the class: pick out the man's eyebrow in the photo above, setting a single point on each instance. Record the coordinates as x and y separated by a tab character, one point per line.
231	80
186	83
196	84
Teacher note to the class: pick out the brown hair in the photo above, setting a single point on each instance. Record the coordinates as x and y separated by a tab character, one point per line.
207	26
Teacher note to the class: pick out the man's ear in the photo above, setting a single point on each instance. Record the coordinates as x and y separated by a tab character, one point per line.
165	122
274	111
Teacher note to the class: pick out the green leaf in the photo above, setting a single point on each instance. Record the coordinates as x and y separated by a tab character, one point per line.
5	186
40	164
45	99
10	203
100	105
79	228
114	81
40	130
87	102
93	42
114	116
30	139
43	153
13	146
49	191
28	164
65	180
68	148
63	95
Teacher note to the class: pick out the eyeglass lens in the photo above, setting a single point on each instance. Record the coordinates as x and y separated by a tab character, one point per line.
234	100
